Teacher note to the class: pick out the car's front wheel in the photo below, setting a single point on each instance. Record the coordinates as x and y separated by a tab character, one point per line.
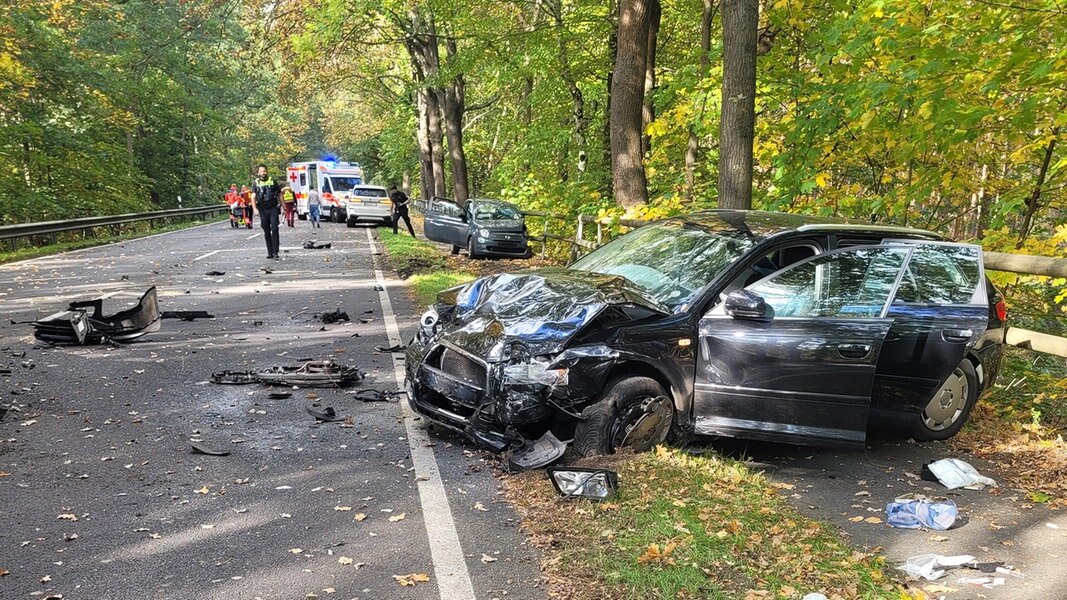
634	412
947	411
470	249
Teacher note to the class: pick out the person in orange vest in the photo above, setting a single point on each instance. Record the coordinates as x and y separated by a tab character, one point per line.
289	204
233	200
246	204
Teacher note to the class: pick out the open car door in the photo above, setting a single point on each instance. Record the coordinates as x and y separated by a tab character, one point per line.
940	311
792	357
443	222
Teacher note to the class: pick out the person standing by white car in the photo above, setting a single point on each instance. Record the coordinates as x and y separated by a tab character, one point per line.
314	206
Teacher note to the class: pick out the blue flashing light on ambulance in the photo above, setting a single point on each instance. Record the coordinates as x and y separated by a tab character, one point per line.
333	180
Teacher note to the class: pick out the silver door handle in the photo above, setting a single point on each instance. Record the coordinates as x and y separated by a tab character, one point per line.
854	350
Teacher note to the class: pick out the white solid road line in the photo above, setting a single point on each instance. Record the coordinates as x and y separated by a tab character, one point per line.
449	564
253	236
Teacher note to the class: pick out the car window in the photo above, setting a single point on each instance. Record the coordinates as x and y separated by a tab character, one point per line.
942	274
369	192
496	211
671	260
849	284
444	207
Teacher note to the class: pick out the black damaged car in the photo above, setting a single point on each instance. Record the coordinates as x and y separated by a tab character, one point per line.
779	327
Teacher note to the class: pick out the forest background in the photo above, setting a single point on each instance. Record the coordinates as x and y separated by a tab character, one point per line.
949	116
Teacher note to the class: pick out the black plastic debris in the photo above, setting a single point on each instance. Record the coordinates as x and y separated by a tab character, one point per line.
333	317
315	373
378	288
215	273
77	325
201	448
396	348
279	395
534	454
326	415
311	245
372	395
187	315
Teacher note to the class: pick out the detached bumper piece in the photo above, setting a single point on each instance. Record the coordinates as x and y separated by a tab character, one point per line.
315	373
77	325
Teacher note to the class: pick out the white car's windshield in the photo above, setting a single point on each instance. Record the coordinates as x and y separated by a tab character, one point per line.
670	260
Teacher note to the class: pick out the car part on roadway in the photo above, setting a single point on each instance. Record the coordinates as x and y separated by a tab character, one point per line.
186	315
950	405
326	415
315	373
312	245
77	325
533	454
201	448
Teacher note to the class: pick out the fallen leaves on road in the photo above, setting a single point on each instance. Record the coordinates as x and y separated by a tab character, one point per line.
203	490
938	538
342	508
344	560
480	506
411	579
68	517
395	518
360	517
295	550
488	559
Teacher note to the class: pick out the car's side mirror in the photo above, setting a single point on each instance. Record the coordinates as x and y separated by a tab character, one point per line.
743	304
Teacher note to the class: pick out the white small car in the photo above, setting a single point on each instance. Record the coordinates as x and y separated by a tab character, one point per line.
368	203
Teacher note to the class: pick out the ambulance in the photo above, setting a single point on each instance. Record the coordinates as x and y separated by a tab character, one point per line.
333	180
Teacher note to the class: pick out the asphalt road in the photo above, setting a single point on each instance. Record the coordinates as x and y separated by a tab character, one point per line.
98	434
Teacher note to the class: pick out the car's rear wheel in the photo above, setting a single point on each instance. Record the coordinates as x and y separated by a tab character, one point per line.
633	411
947	411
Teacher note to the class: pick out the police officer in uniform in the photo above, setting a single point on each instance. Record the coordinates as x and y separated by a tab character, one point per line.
266	202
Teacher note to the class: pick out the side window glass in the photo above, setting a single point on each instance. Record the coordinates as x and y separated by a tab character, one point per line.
851	284
942	274
303	179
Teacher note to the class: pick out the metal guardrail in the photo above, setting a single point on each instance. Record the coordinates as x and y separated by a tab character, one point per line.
13	233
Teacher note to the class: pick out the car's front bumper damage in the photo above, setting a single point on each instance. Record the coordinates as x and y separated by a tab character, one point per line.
506	406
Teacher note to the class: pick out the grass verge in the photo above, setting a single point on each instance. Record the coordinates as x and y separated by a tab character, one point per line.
138	230
425	268
690	527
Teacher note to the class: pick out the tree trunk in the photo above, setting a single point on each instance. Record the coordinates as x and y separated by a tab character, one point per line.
455	103
426	178
692	149
648	110
437	140
1034	201
613	47
740	21
627	102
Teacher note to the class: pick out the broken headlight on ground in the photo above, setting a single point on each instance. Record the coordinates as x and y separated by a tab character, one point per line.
573	482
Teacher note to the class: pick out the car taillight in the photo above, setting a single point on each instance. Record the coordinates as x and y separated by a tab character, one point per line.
1002	311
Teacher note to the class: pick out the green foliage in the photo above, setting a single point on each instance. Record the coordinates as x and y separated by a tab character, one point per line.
110	107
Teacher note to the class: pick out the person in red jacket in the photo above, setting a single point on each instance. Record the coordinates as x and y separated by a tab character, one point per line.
246	204
233	200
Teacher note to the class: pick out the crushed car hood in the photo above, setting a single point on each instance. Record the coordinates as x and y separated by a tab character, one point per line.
542	309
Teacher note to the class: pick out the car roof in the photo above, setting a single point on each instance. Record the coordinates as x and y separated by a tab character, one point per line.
758	224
